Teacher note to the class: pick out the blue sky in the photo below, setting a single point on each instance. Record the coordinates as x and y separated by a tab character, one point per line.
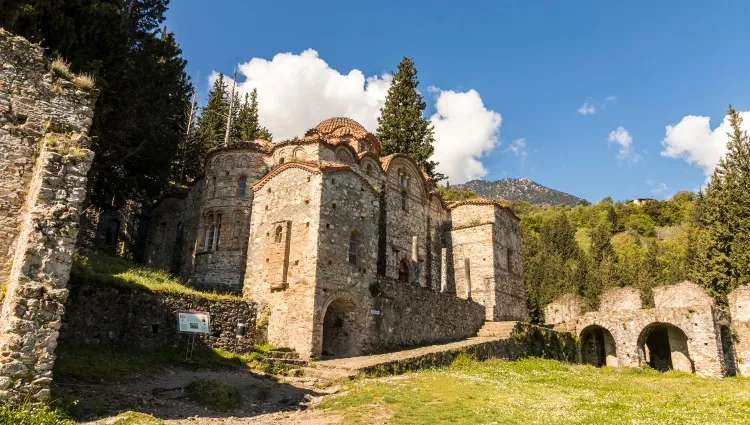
535	63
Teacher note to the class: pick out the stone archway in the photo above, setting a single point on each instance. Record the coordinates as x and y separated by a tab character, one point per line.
598	347
340	330
664	346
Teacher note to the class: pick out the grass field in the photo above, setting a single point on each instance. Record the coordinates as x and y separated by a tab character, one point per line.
535	391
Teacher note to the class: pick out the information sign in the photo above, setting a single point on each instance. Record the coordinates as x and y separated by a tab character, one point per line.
193	322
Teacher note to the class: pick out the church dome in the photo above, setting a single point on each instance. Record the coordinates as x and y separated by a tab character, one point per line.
341	126
346	130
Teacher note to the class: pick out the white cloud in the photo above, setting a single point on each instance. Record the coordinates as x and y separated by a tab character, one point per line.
693	141
297	91
594	107
465	130
518	148
622	137
660	189
587	109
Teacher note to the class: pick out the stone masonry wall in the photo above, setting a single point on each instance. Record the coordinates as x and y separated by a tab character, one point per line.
684	307
44	159
739	307
113	316
408	316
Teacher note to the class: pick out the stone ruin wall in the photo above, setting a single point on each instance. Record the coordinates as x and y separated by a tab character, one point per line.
739	309
692	323
114	316
44	160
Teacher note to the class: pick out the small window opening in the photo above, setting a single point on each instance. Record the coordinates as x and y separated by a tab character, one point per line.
241	186
353	247
404	202
278	234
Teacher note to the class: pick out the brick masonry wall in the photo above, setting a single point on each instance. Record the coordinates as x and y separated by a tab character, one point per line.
44	159
113	316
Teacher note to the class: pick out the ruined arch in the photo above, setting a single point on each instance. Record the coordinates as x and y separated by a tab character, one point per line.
664	346
341	327
598	347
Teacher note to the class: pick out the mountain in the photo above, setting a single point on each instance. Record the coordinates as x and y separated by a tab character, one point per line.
519	190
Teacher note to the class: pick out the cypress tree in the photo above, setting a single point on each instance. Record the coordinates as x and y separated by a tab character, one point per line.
723	218
401	126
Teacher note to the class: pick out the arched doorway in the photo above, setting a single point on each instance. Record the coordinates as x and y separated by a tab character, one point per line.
598	347
340	333
663	347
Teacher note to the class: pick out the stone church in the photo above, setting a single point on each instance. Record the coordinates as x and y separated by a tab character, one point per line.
348	252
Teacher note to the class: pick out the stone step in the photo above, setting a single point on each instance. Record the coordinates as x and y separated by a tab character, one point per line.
278	354
329	373
295	363
497	329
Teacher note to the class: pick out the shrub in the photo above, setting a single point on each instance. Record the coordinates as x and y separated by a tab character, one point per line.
214	394
61	68
31	414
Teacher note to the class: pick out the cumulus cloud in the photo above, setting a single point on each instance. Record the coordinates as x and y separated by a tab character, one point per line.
465	130
594	107
624	140
693	141
659	188
297	91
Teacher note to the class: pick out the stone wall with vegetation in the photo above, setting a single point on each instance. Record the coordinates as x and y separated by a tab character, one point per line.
45	115
120	316
526	341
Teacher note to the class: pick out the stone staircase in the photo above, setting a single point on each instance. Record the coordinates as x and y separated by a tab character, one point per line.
287	359
497	329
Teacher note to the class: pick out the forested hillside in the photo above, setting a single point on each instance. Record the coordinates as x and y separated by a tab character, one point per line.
589	247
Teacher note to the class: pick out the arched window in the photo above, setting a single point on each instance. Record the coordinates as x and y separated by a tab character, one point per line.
278	234
403	178
217	232
369	169
281	161
403	271
353	247
404	199
298	154
241	186
213	187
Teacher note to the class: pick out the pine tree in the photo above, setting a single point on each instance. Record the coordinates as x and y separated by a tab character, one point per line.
213	120
248	123
401	126
138	123
723	218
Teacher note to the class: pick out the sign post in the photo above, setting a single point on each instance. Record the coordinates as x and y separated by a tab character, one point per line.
193	323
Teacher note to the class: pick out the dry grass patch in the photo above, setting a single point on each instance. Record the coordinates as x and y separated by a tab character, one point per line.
84	81
61	68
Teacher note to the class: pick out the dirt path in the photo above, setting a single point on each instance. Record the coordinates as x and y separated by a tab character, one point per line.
265	400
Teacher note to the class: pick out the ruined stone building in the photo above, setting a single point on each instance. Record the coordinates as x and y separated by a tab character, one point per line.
684	330
348	251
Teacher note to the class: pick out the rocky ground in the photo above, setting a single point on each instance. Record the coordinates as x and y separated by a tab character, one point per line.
266	399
